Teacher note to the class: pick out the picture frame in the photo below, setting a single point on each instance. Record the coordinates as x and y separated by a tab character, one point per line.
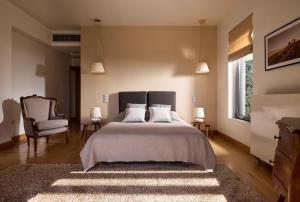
282	46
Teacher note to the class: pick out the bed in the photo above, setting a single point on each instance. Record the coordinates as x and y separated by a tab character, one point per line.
134	142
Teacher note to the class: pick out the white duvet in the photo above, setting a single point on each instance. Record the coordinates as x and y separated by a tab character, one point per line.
176	141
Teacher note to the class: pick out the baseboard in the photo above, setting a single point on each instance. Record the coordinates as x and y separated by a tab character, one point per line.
237	143
15	139
5	145
19	138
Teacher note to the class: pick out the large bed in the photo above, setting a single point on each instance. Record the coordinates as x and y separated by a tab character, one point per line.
135	142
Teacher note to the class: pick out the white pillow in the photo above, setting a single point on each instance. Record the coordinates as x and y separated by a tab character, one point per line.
133	105
160	114
134	115
161	105
175	116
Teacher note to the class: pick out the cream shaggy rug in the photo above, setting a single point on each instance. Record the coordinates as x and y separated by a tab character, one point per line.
123	182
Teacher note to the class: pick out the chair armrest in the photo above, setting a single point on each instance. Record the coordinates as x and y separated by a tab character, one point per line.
32	120
29	126
59	116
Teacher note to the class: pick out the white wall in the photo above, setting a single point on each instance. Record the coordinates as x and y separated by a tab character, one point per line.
13	18
268	15
39	69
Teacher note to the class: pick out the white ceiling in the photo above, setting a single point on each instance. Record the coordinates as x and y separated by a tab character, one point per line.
70	14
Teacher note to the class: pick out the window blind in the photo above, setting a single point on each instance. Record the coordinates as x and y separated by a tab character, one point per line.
240	40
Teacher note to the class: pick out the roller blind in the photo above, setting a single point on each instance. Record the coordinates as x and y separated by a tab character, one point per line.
240	40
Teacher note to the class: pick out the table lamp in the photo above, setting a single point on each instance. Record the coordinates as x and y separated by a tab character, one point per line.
95	114
199	114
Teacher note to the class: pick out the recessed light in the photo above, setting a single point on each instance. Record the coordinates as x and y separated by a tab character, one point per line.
202	21
97	21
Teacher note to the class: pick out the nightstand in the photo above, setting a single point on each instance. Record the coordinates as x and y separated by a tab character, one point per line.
86	125
197	124
208	131
207	128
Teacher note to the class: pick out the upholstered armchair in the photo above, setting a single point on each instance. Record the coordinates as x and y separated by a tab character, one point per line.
41	120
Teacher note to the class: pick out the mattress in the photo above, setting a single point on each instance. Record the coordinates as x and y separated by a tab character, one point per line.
134	142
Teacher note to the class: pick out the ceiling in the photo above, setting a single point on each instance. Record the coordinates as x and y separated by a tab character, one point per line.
71	14
67	49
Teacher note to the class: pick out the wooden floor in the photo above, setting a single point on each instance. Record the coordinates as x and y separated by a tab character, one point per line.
56	151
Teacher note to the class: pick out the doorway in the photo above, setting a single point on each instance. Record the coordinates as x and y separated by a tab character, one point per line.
75	93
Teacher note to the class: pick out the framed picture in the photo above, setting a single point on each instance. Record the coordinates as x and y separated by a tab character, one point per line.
282	46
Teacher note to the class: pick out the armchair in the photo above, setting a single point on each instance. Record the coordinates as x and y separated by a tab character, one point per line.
41	120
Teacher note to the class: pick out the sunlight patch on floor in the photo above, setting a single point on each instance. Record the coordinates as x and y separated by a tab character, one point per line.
128	197
207	182
219	150
142	172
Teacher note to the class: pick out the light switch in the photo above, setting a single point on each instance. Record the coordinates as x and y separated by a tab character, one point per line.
194	99
105	98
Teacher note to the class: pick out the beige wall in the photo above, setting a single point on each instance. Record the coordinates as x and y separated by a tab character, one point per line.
268	15
148	58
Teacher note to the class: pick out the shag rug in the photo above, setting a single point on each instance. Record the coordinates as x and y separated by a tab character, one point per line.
123	182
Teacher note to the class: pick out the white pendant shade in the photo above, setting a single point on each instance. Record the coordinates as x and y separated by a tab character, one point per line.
97	68
201	68
95	113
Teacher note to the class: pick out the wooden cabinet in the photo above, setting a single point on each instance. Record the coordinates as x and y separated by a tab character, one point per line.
286	170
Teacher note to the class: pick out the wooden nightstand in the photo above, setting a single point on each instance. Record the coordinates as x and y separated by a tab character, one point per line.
85	135
197	124
208	131
207	128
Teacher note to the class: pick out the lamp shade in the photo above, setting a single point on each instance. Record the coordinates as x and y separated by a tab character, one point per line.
201	68
97	68
199	114
95	113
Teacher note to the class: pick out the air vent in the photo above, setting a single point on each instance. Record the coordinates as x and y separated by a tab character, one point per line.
75	53
66	37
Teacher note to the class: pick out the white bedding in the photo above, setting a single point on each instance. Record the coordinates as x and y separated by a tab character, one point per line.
176	141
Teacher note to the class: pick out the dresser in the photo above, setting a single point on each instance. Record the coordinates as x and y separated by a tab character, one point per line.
286	164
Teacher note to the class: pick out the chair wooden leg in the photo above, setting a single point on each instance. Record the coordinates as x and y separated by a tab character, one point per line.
35	145
281	198
47	139
28	141
67	136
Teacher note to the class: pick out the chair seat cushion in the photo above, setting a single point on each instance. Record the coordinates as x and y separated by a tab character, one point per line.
51	124
52	131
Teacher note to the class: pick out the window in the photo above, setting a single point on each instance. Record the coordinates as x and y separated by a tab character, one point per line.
242	71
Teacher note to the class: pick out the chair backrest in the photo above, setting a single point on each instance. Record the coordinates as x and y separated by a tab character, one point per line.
38	108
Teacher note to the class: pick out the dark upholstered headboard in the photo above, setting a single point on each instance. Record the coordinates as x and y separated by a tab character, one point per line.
162	97
149	98
137	97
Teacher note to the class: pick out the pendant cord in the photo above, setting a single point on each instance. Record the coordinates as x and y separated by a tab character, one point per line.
200	45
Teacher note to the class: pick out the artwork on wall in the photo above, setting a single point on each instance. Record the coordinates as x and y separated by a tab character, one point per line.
282	46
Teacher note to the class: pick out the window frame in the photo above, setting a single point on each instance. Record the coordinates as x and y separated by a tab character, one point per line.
238	87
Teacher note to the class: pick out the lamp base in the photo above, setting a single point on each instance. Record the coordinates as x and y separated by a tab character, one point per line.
199	120
95	119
